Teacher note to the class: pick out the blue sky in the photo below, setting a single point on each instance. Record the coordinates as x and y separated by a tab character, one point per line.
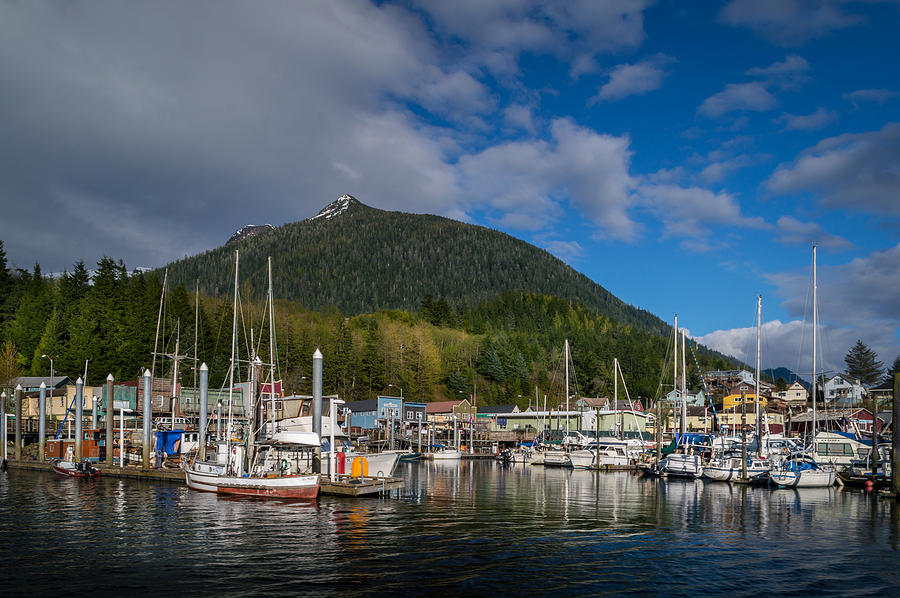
684	156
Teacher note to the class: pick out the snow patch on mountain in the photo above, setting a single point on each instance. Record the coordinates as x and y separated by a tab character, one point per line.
341	204
251	230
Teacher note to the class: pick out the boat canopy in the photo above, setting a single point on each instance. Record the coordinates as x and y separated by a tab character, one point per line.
304	438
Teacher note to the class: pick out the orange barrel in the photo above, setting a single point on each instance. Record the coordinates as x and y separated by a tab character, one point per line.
359	467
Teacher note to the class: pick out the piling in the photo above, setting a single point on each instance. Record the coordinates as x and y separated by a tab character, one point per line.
3	422
874	443
42	424
219	420
79	413
895	438
744	436
110	416
94	417
148	416
18	422
317	409
204	398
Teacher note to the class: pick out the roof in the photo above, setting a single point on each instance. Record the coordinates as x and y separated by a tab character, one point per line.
499	409
441	406
357	406
595	401
886	416
623	404
35	381
833	414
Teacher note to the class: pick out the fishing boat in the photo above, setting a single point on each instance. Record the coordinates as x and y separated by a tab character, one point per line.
276	467
687	464
802	471
440	452
729	467
81	469
600	454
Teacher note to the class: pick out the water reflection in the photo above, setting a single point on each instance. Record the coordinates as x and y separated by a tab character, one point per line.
457	528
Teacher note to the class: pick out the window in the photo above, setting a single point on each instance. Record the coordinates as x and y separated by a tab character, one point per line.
409	415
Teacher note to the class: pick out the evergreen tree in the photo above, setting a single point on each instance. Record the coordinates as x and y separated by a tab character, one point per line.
894	369
863	365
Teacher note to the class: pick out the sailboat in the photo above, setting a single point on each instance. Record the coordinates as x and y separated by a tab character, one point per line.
730	465
276	467
800	470
605	452
687	460
560	457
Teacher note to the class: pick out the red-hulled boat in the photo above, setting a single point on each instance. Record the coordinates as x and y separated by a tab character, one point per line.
75	470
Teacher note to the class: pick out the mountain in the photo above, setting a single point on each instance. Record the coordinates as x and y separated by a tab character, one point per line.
251	230
361	259
789	376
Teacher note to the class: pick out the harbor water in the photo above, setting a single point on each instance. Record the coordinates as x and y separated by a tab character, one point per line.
457	528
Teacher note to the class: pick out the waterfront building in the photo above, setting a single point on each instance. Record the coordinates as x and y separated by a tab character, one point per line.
733	401
843	391
837	420
795	395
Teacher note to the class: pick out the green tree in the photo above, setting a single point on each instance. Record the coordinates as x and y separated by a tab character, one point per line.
894	369
862	364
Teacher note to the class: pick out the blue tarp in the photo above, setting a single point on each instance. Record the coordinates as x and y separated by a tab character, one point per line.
169	441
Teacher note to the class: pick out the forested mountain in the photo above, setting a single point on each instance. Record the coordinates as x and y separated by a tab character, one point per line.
361	259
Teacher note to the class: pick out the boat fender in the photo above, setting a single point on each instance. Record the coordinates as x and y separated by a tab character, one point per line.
284	464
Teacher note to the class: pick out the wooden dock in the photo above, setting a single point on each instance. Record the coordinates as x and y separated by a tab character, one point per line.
367	486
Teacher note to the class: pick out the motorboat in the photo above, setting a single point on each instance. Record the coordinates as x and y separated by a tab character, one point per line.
600	454
80	469
802	471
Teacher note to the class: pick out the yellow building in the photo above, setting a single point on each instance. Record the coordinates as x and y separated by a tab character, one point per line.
734	402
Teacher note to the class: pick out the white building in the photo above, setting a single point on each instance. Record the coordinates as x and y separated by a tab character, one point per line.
794	395
843	390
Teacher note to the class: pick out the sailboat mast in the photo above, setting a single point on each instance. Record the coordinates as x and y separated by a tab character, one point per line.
683	384
675	380
616	395
271	352
758	329
233	346
567	385
815	325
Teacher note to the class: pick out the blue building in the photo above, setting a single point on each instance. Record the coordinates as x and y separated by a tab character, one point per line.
363	414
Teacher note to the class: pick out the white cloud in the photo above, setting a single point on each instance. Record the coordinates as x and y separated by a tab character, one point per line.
788	22
567	251
634	79
685	211
788	74
808	122
520	117
789	230
738	97
857	300
876	96
527	180
853	171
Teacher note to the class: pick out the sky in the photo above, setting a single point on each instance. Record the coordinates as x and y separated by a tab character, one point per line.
686	156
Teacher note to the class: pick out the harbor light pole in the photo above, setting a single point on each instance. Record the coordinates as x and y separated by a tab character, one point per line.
50	386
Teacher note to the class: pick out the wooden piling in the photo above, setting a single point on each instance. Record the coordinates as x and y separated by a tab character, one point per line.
79	417
110	416
18	422
895	437
42	424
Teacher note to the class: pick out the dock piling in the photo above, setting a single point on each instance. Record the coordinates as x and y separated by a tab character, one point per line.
895	438
42	424
79	414
18	422
148	416
204	398
317	409
110	416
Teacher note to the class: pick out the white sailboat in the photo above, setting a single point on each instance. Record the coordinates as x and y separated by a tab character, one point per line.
560	457
687	461
801	470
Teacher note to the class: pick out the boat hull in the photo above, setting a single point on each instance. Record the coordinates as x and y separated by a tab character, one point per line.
446	456
586	459
210	479
67	468
682	466
557	459
809	478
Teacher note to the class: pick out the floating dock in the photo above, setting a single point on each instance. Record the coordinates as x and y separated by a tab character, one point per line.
366	486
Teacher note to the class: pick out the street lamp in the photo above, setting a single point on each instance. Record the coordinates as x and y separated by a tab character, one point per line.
401	389
51	368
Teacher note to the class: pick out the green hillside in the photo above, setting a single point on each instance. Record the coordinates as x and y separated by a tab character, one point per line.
362	259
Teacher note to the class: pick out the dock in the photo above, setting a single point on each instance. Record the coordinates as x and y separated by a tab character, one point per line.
367	486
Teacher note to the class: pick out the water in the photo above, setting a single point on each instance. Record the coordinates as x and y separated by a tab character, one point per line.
470	528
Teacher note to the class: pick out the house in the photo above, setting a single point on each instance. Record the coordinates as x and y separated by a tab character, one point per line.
414	413
440	413
840	420
843	391
694	399
794	395
498	409
734	400
883	393
363	414
585	403
731	420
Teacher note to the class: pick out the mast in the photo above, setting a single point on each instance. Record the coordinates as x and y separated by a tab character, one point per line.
759	450
567	385
683	385
175	372
196	326
271	352
815	325
233	346
675	382
616	397
162	296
